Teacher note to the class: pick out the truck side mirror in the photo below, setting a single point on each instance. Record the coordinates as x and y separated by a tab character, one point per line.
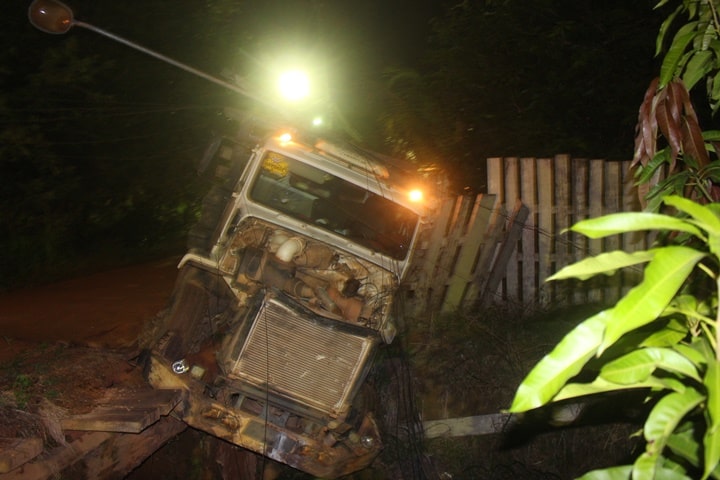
51	16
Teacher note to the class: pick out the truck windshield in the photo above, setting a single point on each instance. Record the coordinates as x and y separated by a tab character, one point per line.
318	197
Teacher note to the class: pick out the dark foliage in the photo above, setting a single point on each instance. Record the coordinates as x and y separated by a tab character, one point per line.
99	143
533	78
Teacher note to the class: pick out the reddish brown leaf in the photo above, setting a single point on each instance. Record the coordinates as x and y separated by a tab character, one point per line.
688	109
646	128
678	93
669	126
693	143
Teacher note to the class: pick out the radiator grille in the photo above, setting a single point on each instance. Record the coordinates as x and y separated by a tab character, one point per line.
305	359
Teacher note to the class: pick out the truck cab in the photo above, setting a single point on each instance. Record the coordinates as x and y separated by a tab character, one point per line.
285	296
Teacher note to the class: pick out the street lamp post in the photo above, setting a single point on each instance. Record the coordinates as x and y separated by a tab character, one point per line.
53	16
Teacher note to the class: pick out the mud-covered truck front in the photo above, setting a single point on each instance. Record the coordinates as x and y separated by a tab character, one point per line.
285	297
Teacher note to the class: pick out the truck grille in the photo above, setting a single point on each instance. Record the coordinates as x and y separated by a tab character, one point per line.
302	358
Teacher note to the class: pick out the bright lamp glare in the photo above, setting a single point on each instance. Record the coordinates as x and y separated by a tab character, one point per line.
415	195
294	85
317	122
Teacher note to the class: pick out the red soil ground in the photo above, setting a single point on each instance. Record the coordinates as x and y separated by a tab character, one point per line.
105	309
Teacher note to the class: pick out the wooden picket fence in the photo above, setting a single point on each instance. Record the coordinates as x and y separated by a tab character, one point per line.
501	246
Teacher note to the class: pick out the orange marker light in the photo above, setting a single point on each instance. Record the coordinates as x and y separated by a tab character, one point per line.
415	195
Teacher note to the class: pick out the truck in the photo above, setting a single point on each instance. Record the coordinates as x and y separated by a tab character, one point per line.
288	288
285	296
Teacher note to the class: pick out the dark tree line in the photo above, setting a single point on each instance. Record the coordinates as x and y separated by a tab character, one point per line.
98	143
531	78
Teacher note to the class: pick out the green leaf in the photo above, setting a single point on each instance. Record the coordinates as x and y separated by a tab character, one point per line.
712	384
711	442
664	26
660	425
645	466
664	276
613	473
664	473
666	415
711	135
697	67
691	354
600	385
711	446
670	474
646	173
616	223
637	366
672	185
715	89
669	335
704	217
670	63
684	444
607	263
562	363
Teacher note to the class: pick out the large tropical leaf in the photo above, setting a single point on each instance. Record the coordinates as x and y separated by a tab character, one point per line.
639	365
711	446
665	26
677	48
703	216
659	426
711	441
684	444
664	276
665	417
617	223
688	306
712	384
671	334
564	362
697	68
600	385
606	263
692	354
614	473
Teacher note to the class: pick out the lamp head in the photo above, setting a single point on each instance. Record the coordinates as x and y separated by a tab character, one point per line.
51	16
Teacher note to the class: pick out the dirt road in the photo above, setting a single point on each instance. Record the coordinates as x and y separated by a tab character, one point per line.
103	309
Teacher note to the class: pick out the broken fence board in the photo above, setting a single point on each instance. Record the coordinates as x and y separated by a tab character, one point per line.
468	253
125	411
17	451
51	463
466	426
102	454
507	247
